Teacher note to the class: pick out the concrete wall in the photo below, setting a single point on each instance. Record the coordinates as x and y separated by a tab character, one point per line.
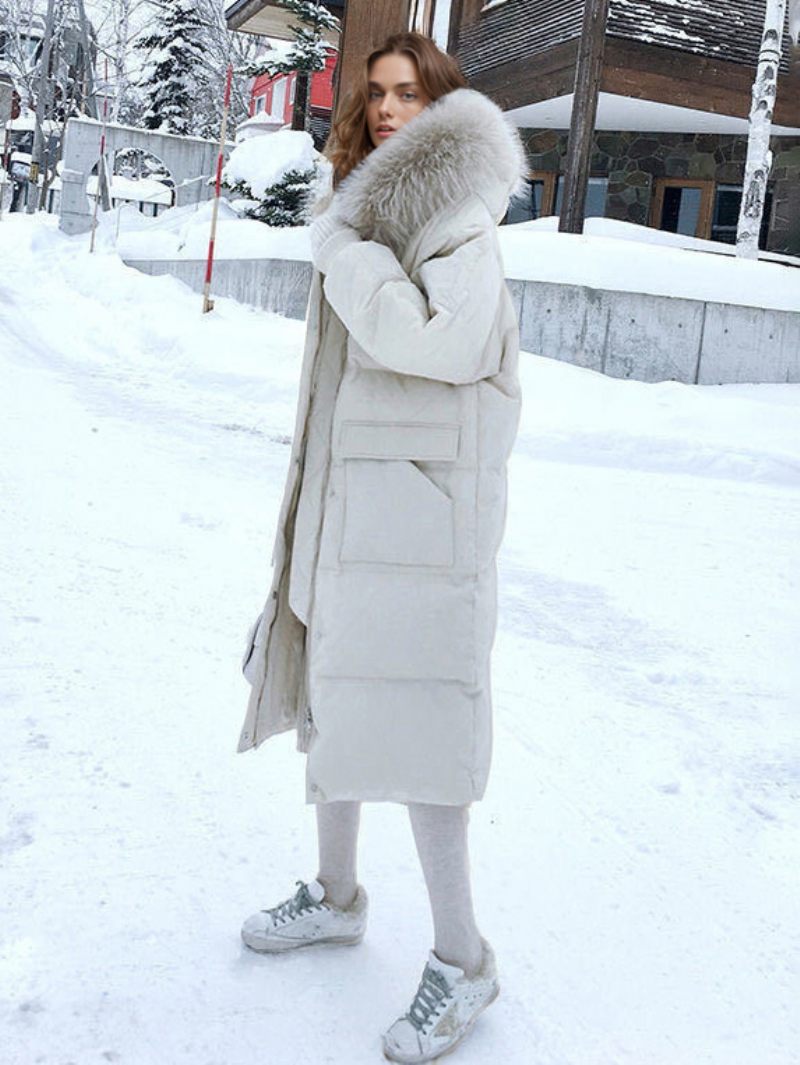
621	334
186	158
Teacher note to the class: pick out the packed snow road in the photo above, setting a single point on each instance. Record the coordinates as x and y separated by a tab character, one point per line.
637	858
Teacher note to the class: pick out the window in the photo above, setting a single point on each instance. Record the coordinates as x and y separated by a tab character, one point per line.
702	209
292	85
420	16
536	201
595	203
261	103
725	216
278	98
682	205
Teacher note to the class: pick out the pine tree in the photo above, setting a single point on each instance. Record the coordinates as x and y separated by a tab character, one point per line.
173	83
286	202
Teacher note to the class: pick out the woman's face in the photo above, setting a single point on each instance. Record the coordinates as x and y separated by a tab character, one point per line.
395	96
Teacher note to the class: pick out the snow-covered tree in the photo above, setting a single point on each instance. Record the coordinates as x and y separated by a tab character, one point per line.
175	83
275	175
306	56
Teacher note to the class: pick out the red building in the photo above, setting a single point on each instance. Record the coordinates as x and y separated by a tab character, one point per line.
275	97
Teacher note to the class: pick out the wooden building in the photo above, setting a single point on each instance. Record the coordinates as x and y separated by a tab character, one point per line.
671	131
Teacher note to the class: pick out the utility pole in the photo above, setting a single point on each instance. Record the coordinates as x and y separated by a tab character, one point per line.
588	73
41	109
759	156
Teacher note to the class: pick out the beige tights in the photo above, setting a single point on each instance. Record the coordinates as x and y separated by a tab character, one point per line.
440	833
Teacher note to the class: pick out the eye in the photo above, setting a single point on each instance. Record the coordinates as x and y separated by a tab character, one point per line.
375	95
409	96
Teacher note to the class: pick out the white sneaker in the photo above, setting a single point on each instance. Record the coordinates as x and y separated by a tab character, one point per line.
304	920
444	1009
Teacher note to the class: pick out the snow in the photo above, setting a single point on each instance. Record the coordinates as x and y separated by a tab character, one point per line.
536	251
659	263
637	856
263	161
183	232
141	190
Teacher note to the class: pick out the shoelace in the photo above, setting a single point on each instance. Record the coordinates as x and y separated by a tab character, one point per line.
431	993
293	907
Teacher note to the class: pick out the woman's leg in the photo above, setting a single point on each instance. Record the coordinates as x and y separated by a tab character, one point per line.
440	833
337	828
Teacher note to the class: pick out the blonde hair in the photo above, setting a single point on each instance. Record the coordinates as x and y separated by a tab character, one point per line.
439	73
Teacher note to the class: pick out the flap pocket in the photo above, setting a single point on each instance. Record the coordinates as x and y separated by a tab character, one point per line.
428	441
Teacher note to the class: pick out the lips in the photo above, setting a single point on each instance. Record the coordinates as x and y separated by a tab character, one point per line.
385	131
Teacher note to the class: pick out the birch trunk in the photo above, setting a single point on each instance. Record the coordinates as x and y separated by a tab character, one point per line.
759	156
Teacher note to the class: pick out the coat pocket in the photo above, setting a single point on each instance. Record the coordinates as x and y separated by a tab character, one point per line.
393	512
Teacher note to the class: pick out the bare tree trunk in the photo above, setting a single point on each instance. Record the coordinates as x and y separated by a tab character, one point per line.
41	109
301	94
759	156
121	59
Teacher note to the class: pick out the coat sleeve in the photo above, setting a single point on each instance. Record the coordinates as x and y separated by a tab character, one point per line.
438	329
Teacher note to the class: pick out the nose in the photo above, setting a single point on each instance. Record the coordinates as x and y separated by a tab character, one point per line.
385	109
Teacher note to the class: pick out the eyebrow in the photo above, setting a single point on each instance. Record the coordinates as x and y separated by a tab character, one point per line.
400	85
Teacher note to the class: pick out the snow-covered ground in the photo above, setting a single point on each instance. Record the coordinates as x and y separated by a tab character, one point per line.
637	857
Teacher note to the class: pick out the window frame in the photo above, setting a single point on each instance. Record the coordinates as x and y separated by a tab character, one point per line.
548	179
707	188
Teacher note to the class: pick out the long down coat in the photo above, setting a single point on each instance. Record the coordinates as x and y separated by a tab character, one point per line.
375	640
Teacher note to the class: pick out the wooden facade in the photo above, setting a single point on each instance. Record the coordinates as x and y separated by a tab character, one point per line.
692	55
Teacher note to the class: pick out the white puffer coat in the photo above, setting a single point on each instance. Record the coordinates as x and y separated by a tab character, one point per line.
376	636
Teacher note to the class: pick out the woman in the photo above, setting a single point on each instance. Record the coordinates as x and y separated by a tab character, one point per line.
376	637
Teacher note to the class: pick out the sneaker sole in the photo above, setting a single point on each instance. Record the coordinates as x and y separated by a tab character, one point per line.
283	945
417	1060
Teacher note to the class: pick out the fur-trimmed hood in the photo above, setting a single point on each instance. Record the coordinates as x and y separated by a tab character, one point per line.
461	145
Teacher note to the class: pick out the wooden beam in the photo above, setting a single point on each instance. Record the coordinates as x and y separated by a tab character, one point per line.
528	81
366	24
667	75
588	72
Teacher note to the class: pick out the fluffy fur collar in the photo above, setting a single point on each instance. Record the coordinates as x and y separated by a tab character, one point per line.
461	145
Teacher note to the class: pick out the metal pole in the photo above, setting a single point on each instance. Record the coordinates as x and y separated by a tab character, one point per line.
41	109
588	73
208	303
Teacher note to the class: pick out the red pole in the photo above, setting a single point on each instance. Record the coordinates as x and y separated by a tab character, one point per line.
208	303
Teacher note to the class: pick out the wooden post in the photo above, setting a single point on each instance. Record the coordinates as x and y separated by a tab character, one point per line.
365	25
588	72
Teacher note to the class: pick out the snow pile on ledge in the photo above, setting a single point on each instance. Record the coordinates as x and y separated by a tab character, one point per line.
264	161
623	257
617	256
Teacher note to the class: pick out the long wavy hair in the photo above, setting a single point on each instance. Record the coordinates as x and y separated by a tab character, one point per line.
439	73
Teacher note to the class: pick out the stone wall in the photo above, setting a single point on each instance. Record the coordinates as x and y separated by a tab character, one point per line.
631	161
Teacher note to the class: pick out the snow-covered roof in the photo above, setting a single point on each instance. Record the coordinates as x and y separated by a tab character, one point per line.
629	113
